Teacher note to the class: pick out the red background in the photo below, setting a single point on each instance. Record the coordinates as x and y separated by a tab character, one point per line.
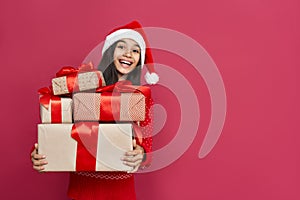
255	46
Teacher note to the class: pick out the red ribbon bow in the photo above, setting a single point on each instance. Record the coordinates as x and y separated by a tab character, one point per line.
125	86
68	70
86	135
46	94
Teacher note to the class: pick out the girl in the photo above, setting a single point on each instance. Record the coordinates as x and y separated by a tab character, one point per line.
124	53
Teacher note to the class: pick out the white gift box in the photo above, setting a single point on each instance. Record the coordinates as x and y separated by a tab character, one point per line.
60	149
66	111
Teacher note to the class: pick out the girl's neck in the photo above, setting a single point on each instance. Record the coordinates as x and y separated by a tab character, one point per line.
122	77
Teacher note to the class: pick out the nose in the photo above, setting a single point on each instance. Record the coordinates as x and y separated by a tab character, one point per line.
127	53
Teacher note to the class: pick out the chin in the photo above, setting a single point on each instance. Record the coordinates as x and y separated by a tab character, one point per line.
124	72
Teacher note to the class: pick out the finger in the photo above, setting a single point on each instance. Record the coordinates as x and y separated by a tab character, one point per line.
38	156
133	163
134	143
134	169
34	151
134	152
38	168
39	162
132	158
36	146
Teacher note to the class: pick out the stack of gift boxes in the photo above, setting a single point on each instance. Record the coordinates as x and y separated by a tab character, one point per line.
87	126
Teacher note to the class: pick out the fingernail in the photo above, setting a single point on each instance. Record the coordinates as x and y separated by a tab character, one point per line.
43	156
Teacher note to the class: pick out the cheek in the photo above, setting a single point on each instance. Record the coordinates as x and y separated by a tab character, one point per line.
117	54
137	58
115	57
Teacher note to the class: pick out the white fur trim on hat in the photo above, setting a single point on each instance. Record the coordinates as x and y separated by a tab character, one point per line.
152	78
126	33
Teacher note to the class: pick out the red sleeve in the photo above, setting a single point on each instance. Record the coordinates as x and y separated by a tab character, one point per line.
143	134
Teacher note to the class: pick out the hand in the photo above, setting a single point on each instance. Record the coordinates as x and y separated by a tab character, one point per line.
38	160
134	158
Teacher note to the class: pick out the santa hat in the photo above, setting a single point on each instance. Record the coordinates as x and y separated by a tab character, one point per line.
135	32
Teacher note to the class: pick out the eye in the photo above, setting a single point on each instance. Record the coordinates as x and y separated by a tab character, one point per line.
136	51
121	46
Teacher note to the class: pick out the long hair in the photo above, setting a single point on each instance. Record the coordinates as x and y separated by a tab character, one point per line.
110	73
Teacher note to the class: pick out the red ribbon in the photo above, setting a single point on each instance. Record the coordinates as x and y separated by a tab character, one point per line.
110	107
111	98
70	70
126	86
86	135
138	133
46	95
72	75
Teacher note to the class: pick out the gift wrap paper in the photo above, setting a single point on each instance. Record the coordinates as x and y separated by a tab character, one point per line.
60	149
107	107
56	143
84	81
66	111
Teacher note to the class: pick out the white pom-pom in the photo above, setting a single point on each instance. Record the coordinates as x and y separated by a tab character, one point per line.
152	78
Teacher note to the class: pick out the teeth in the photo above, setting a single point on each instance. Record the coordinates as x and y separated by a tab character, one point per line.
125	62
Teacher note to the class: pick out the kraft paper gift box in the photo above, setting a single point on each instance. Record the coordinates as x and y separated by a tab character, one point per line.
102	153
107	107
69	79
58	111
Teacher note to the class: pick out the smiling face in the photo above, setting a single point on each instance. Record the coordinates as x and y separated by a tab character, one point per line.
126	56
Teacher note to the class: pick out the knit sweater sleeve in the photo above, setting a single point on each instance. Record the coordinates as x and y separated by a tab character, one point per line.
143	134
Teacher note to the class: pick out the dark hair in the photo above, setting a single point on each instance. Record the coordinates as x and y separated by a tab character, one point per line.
110	73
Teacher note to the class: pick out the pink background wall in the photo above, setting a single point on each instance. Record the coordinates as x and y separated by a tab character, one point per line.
254	44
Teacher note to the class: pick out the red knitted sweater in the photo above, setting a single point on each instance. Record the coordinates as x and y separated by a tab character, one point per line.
113	185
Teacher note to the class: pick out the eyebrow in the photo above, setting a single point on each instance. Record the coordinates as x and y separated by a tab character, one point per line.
126	43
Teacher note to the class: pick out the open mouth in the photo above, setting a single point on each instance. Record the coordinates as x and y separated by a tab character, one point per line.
125	63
